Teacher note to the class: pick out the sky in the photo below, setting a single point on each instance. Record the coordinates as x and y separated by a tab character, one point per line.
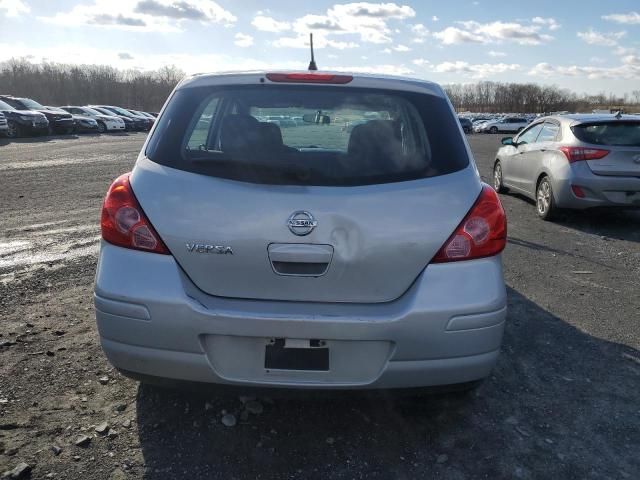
587	46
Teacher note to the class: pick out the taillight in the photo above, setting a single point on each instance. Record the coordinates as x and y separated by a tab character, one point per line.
577	191
482	233
577	154
309	78
124	223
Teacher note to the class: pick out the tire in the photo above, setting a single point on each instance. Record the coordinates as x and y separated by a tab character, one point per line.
545	203
14	130
493	130
498	185
102	128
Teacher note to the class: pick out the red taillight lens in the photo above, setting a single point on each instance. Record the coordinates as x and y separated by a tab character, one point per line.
309	78
124	223
482	233
577	191
577	154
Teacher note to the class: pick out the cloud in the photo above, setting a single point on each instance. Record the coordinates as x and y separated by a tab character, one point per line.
368	21
143	15
420	62
72	53
602	39
401	48
476	71
631	18
107	19
434	18
374	10
14	8
420	31
243	40
302	41
125	56
269	24
550	23
493	53
494	32
629	70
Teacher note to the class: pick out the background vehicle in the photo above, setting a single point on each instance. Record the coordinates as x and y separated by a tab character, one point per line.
466	124
140	123
263	251
59	121
23	122
573	161
507	124
4	126
81	123
151	118
106	123
130	124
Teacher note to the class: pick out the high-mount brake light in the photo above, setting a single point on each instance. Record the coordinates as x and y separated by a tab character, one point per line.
328	78
577	154
123	222
482	233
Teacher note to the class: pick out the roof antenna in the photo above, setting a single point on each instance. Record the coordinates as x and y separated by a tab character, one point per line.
312	63
618	115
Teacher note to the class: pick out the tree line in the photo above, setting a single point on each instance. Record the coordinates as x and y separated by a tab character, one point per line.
495	97
61	84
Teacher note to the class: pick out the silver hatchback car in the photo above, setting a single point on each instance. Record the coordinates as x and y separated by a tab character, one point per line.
311	256
573	161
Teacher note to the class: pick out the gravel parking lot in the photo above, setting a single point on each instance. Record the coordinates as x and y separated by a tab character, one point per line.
563	401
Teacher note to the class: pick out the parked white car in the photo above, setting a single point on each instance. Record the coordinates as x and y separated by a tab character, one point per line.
506	124
106	123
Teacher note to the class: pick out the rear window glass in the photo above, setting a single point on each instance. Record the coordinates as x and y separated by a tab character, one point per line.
308	135
619	133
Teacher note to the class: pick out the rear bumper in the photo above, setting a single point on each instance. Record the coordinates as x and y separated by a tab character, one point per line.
600	190
446	329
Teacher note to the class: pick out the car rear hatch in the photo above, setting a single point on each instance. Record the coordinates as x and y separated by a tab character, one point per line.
621	138
315	216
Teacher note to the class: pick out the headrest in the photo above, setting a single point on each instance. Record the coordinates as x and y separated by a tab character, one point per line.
240	132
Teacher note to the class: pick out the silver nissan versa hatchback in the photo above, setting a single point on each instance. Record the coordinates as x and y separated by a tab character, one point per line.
259	241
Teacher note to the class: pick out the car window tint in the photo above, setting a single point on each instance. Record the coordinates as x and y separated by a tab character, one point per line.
530	135
617	133
305	135
549	132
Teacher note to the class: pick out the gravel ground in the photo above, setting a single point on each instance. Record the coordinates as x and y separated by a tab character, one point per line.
563	401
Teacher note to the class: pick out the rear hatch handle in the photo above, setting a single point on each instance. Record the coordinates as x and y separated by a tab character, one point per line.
301	259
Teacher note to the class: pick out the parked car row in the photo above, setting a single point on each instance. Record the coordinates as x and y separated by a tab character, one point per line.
21	117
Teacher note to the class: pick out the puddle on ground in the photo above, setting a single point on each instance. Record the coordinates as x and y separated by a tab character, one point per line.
49	244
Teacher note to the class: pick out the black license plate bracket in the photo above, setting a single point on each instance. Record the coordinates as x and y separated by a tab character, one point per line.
278	356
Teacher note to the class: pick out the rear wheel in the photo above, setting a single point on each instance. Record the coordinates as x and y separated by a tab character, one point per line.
14	130
545	204
493	130
498	186
101	127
